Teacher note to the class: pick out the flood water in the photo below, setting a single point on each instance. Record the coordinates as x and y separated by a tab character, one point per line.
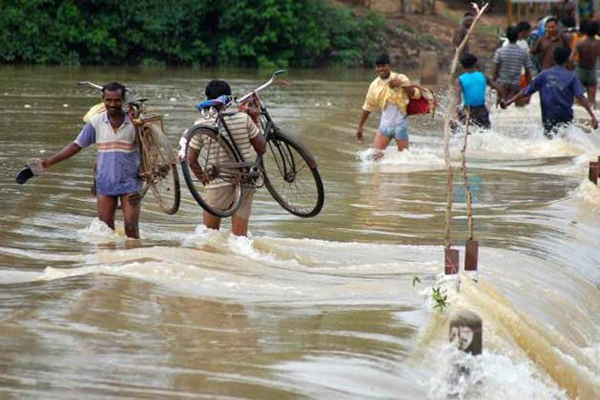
320	308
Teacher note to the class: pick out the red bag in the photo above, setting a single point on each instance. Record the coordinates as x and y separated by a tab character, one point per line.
417	106
424	105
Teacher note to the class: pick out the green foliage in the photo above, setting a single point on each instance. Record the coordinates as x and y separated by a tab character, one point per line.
440	298
269	33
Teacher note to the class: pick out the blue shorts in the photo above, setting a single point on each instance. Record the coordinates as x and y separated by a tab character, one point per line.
398	132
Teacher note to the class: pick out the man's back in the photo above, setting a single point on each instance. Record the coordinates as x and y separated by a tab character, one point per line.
510	60
589	51
558	88
242	129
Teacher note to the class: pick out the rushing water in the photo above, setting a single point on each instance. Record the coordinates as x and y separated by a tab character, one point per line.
321	308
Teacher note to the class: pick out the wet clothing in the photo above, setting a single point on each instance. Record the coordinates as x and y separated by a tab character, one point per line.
393	123
242	129
473	88
479	116
510	61
587	77
380	94
558	88
222	198
118	161
545	48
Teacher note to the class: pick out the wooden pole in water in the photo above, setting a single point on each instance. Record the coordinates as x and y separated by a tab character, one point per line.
466	331
451	255
471	245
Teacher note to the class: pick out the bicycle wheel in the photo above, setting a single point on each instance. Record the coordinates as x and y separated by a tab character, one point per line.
291	176
159	168
205	151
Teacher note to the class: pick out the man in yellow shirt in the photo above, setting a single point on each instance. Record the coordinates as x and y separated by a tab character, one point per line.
390	92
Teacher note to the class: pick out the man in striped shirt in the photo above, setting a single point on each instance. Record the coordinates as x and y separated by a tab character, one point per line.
117	171
250	142
509	61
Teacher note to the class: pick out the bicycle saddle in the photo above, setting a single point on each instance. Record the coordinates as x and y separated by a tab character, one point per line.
219	101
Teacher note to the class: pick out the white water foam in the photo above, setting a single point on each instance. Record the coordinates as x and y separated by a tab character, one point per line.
491	376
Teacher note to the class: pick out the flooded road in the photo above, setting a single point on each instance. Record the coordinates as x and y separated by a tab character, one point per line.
320	308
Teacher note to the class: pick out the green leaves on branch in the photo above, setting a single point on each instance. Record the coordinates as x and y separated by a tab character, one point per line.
269	33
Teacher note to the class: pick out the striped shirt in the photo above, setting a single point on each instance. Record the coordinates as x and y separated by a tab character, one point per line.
510	60
118	162
242	129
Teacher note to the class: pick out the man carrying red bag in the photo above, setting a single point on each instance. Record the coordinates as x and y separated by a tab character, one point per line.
390	92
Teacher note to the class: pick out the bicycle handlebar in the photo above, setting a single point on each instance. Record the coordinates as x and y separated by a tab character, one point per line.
265	85
88	83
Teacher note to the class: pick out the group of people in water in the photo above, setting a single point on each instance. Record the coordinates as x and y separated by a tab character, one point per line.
560	65
527	63
117	177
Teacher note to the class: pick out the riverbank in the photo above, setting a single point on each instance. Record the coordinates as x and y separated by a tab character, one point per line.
409	34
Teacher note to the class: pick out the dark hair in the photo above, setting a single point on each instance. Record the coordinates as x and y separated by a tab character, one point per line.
568	22
382	59
551	19
512	34
216	88
468	60
592	28
523	26
561	55
113	87
468	14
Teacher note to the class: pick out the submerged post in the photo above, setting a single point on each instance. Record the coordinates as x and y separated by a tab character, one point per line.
466	331
593	172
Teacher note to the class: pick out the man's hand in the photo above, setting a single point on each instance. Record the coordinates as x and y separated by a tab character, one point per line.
45	163
594	122
359	134
503	104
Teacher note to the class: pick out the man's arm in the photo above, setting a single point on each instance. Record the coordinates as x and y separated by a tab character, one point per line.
404	83
496	68
497	87
536	46
458	91
518	96
259	144
583	101
363	118
69	151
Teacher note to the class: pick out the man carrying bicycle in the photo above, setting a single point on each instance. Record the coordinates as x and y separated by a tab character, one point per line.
390	92
117	163
221	194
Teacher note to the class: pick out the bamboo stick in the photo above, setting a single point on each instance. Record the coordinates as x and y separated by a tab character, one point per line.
447	119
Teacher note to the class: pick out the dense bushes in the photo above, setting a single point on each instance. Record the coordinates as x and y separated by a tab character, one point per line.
187	32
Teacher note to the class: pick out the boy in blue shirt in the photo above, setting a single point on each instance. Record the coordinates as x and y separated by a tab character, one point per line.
558	88
470	91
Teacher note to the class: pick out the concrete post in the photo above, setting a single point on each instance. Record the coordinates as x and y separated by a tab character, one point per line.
466	331
450	261
429	67
593	173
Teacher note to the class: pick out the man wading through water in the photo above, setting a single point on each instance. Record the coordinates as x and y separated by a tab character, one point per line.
390	92
558	88
118	160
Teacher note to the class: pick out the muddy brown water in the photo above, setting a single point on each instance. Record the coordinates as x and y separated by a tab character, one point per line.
320	308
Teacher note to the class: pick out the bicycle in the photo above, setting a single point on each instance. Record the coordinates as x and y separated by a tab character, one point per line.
158	163
287	169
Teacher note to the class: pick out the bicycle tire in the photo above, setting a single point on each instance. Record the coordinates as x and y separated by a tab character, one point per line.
164	178
292	177
213	150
